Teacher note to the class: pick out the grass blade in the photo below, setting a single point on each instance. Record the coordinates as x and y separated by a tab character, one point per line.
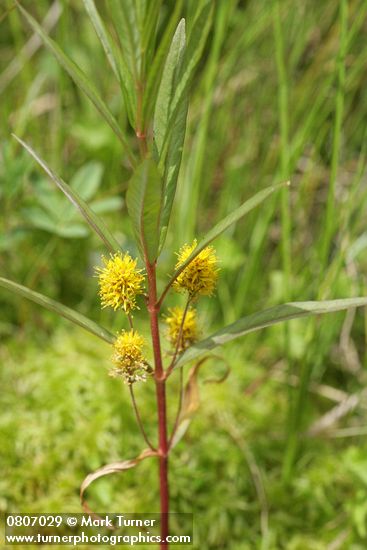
266	318
91	218
329	227
60	309
81	80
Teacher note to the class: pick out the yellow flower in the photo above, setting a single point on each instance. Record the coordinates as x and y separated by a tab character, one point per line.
120	282
128	357
189	329
201	275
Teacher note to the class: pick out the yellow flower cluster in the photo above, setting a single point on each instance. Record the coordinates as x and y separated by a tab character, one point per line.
128	357
189	328
120	282
201	275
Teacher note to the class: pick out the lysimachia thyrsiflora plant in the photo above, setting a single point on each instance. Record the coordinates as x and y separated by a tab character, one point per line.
154	77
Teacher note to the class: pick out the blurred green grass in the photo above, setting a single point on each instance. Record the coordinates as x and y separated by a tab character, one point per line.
62	416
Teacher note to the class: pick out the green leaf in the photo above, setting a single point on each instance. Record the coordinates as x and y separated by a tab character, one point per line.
195	46
81	80
170	79
229	220
154	73
109	204
180	69
149	30
172	166
140	7
11	239
266	318
94	221
43	220
115	59
87	180
102	34
169	133
49	198
144	200
60	309
124	18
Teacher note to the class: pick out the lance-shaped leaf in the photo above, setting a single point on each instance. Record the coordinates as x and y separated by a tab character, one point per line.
176	109
81	80
149	31
115	58
154	73
124	17
144	199
224	224
91	218
266	318
172	166
60	309
125	20
103	35
195	46
170	78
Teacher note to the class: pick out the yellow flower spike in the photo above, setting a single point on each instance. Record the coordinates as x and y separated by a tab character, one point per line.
128	357
189	329
201	275
120	282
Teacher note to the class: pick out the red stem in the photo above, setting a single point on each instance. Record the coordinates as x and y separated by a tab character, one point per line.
159	374
160	380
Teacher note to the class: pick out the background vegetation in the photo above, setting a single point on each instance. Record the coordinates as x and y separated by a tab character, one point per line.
277	457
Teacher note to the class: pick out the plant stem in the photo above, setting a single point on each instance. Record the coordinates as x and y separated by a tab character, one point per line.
163	459
130	319
179	339
153	309
160	381
138	419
